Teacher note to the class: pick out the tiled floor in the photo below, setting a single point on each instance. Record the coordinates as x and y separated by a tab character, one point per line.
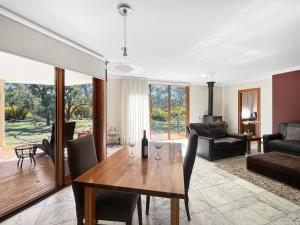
216	198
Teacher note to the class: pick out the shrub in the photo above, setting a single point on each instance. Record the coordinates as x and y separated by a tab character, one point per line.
159	115
84	111
15	113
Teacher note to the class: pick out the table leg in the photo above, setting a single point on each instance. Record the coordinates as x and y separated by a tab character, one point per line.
22	162
33	159
90	205
259	145
174	211
248	147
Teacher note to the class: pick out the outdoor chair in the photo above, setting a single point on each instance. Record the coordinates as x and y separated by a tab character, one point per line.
49	146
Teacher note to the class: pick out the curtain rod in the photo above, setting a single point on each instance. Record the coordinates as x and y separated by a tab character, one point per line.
152	81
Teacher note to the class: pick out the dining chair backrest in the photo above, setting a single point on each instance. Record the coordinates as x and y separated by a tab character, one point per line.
81	155
189	159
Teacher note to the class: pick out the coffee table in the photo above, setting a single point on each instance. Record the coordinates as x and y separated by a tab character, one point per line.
25	151
253	138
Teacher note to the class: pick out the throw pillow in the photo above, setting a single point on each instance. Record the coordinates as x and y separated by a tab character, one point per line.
293	132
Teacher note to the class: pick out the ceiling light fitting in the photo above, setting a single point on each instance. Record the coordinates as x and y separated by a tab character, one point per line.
124	67
124	9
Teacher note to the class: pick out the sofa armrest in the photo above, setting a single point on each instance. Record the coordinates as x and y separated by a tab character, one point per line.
205	147
209	139
270	137
240	136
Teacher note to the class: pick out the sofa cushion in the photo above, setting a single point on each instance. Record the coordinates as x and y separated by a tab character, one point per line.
293	132
282	129
282	144
202	129
227	143
217	130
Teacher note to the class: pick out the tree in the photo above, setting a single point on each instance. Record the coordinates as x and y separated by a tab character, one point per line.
17	97
45	95
76	98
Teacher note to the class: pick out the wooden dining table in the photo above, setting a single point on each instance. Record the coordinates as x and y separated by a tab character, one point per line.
119	172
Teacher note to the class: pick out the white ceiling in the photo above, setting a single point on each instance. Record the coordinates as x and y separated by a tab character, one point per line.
180	40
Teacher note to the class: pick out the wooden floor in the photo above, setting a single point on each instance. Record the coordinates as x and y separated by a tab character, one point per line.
18	186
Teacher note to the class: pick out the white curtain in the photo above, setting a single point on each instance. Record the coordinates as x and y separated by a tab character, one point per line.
135	109
249	103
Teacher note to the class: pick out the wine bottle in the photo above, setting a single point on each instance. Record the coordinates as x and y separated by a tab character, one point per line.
144	146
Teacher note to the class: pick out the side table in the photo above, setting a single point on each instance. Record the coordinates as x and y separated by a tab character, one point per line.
25	151
253	138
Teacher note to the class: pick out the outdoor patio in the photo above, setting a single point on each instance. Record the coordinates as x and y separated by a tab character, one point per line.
21	185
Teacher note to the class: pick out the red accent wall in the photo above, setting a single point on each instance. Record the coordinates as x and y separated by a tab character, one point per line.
286	98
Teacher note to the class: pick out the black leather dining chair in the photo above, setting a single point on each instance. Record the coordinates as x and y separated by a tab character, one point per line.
110	205
188	165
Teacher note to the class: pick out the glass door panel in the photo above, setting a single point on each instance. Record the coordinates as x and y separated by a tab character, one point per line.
159	112
177	112
78	107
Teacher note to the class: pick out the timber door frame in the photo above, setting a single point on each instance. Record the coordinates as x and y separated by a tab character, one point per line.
258	102
187	107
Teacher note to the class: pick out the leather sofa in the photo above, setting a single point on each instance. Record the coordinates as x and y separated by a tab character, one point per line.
277	142
214	142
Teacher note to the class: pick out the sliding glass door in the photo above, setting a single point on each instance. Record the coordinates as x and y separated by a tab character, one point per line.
27	118
168	111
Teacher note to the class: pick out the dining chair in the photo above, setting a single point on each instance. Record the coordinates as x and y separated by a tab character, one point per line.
188	165
110	205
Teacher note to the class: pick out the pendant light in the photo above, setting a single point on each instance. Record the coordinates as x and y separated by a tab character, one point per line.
124	67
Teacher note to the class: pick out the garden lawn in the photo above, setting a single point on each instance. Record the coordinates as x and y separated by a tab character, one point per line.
162	126
30	132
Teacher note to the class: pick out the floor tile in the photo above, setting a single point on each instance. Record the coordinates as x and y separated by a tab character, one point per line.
290	219
277	202
57	213
251	187
26	217
211	217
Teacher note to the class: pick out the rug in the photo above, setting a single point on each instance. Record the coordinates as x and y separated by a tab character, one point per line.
237	167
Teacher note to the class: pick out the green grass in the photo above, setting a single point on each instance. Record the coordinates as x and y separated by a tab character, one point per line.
162	127
29	132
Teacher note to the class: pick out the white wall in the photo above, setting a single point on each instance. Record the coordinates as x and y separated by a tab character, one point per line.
199	102
225	103
114	103
230	104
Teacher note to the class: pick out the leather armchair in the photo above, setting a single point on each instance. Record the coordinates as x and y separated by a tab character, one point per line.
215	143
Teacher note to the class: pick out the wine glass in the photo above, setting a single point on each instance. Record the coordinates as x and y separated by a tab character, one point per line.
158	145
131	144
